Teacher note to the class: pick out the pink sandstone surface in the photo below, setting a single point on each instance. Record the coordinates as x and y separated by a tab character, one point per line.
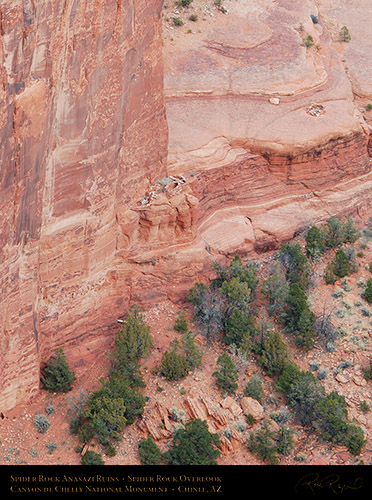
99	208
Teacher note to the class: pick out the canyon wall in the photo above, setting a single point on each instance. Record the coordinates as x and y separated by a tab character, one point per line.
121	182
83	133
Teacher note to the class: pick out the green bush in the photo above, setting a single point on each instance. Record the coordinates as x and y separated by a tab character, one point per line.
191	351
263	445
193	445
177	21
110	450
368	292
298	317
184	3
295	263
340	264
180	325
254	388
149	452
309	42
227	375
57	375
274	354
345	34
106	416
174	365
354	439
239	329
92	458
41	423
315	244
329	276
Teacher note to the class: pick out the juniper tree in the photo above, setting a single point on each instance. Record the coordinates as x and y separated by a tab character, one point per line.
57	374
193	444
227	375
149	452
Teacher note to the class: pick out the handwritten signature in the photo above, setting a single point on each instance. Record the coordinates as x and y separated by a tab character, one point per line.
315	483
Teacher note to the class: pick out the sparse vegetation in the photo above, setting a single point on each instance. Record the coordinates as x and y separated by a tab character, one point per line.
344	34
309	41
41	423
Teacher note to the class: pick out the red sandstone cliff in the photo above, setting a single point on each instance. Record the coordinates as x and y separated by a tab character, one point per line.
86	226
83	133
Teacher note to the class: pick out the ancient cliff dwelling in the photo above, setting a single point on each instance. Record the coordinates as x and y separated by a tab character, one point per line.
186	232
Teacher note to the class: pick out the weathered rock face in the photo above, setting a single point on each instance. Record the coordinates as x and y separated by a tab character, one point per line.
273	132
96	214
83	134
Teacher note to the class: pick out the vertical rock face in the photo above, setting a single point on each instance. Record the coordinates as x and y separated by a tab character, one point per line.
82	134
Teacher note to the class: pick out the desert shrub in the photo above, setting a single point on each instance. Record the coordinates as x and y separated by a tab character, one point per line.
184	3
57	375
309	41
133	340
106	416
254	388
177	21
49	410
92	458
344	34
284	440
274	354
364	407
329	276
149	452
290	373
191	351
110	450
315	244
331	415
303	392
367	372
193	18
295	263
85	432
354	439
227	375
239	329
51	447
174	365
275	289
368	292
298	318
250	420
41	423
180	325
340	264
118	386
209	309
193	444
263	445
